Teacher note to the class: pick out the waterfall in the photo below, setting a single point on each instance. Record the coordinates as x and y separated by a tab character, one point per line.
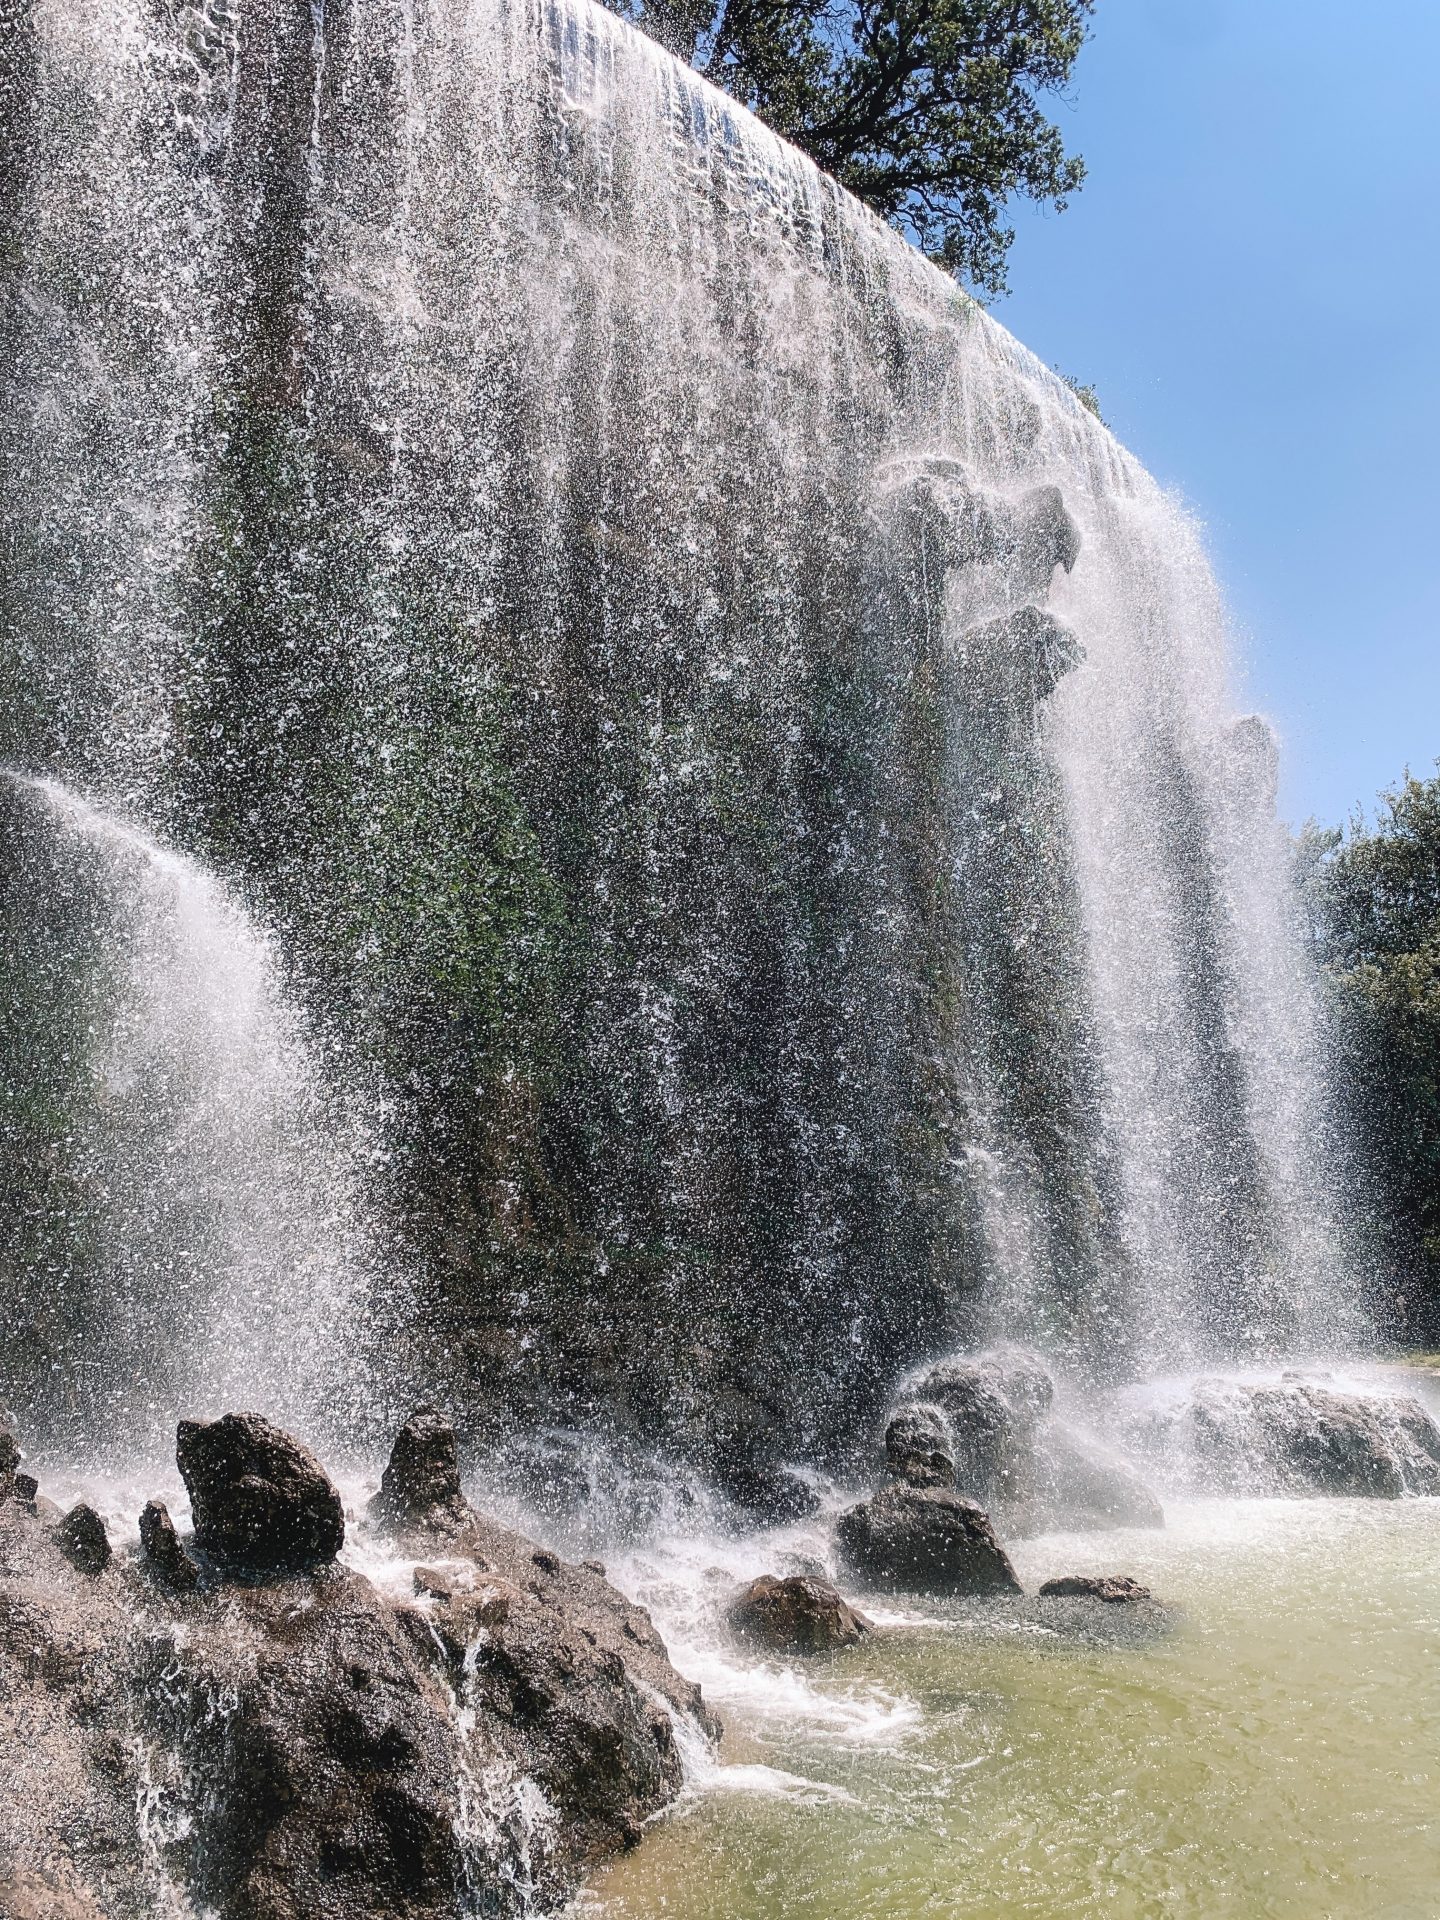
196	1238
720	735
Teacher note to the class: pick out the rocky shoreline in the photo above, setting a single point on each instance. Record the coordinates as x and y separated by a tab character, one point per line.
240	1725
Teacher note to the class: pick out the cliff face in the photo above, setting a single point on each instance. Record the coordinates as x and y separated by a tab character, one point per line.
620	618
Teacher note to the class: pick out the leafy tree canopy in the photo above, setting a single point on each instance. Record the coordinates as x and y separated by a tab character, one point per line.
1373	899
927	110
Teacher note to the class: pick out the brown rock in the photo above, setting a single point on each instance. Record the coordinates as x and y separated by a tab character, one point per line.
796	1615
1117	1589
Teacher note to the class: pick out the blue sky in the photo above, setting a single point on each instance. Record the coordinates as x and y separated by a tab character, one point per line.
1251	281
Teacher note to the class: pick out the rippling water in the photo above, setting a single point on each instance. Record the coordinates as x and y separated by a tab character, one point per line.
1276	1753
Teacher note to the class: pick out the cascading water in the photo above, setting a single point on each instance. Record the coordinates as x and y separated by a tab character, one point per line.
193	1238
720	734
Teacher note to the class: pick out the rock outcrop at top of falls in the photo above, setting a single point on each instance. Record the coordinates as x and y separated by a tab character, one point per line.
265	1742
1293	1435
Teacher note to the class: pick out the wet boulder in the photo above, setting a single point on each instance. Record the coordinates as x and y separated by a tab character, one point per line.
995	1403
82	1539
924	1540
795	1615
919	1447
10	1458
1045	537
164	1555
1115	1589
420	1487
261	1501
1293	1436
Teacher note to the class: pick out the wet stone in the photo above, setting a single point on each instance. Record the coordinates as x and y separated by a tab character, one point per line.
919	1448
420	1486
1116	1589
261	1501
796	1615
924	1540
161	1546
83	1540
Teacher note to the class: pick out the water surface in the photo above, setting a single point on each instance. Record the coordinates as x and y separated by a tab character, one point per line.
1277	1753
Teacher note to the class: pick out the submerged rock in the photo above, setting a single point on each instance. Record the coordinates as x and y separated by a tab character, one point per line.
795	1615
919	1447
83	1540
924	1540
1116	1589
260	1499
161	1547
1293	1436
420	1486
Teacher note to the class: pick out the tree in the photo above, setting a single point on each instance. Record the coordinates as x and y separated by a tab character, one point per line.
927	110
1373	901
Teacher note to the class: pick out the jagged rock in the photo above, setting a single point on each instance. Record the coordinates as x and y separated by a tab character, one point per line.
420	1486
1046	537
924	1540
163	1552
260	1499
1287	1437
995	1403
83	1539
1115	1588
919	1447
797	1615
321	1751
27	1490
10	1458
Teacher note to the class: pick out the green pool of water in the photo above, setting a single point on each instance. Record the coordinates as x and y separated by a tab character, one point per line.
1277	1753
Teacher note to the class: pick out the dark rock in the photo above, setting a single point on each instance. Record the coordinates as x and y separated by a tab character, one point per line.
1294	1436
163	1552
924	1540
769	1493
261	1501
798	1615
316	1745
83	1540
27	1489
919	1448
420	1487
1046	536
10	1458
1115	1588
995	1403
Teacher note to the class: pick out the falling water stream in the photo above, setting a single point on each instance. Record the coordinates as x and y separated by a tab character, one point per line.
627	815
